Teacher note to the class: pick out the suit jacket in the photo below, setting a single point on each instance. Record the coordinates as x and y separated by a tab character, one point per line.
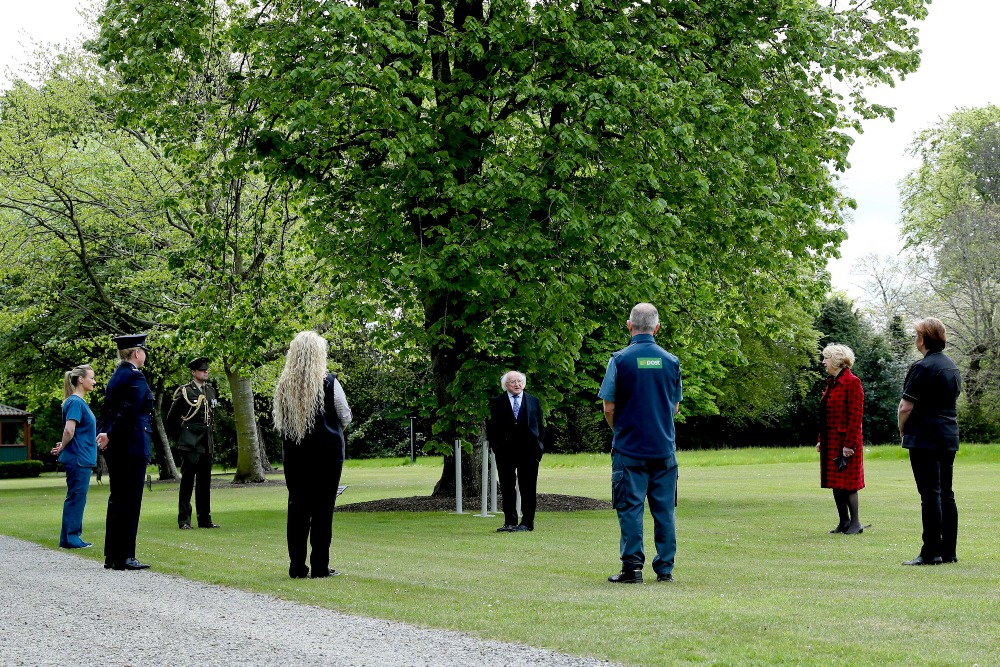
127	413
523	436
190	419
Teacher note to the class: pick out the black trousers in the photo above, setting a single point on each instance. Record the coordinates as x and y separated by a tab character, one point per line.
127	475
932	471
196	475
517	471
312	475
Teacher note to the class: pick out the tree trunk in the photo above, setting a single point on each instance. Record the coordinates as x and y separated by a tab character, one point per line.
168	468
265	463
248	466
471	472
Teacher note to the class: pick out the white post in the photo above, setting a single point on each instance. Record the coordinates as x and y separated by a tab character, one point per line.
493	482
458	477
484	514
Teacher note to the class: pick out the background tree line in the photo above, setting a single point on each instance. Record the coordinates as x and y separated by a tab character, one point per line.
445	190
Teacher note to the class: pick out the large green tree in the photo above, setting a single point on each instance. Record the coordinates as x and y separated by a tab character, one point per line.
951	205
520	173
122	230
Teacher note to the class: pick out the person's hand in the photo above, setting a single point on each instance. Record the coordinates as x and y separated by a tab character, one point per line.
847	452
102	441
58	448
818	447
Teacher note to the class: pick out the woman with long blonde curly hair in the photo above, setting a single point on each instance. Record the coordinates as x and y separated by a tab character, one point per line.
310	412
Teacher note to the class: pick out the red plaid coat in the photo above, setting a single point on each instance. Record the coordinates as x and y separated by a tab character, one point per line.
840	413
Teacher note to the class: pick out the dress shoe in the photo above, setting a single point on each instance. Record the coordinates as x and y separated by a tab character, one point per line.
329	573
665	577
507	528
185	526
107	565
298	574
209	525
130	564
920	560
522	529
626	577
949	559
852	530
842	528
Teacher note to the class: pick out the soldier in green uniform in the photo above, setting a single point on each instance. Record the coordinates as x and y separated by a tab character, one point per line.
189	423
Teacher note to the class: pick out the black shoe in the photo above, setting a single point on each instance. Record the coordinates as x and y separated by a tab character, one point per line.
527	526
665	577
507	528
626	577
130	564
854	531
185	526
842	528
107	565
298	574
920	560
208	525
521	529
949	559
329	573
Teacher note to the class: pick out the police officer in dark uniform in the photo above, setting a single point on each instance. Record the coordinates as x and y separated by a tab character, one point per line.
642	391
124	434
189	423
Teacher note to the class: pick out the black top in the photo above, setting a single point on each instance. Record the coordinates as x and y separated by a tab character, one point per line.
327	432
932	385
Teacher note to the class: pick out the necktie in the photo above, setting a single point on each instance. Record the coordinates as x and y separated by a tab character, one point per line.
517	405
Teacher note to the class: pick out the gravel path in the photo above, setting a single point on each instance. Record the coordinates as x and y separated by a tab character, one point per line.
59	609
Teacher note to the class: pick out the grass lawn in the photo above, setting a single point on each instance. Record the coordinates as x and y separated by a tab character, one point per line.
758	579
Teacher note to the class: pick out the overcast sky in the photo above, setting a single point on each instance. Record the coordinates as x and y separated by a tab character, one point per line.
958	70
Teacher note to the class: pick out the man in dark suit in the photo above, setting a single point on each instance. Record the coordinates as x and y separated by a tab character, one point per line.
123	434
189	424
516	431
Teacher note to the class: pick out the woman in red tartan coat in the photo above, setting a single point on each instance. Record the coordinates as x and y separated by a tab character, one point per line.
840	440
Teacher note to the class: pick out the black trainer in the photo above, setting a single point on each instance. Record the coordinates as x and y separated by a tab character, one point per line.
665	577
626	577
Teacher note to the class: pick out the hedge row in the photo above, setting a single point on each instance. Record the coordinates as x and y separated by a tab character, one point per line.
16	469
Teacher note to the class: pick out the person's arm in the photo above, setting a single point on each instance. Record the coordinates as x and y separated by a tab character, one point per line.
609	413
340	403
67	436
855	413
173	423
903	414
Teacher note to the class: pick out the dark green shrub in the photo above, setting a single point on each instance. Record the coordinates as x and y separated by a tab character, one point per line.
20	469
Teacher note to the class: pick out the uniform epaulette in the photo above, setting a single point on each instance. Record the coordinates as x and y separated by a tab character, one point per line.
177	392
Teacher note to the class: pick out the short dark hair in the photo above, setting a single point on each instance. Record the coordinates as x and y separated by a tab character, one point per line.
931	329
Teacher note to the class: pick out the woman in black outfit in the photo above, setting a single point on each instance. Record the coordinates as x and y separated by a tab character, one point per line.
310	412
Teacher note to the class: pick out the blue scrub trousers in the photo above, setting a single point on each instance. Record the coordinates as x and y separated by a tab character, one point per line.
77	486
633	481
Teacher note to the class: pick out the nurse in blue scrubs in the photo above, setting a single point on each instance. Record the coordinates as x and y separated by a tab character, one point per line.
77	452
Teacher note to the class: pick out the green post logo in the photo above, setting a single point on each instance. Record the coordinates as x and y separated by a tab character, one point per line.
649	362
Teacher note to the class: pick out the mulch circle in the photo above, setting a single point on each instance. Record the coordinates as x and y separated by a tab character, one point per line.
547	502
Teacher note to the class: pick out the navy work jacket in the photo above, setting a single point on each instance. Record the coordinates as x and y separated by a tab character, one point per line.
128	413
644	382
